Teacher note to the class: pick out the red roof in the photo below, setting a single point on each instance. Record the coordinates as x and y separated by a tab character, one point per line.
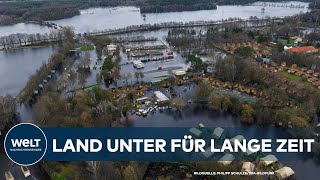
310	71
313	79
304	49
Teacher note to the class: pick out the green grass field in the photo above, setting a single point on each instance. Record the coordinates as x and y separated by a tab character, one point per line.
87	47
293	77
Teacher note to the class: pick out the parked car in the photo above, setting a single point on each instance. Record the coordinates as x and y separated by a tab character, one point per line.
8	175
25	171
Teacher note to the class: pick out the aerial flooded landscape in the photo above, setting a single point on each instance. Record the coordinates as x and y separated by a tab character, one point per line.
203	65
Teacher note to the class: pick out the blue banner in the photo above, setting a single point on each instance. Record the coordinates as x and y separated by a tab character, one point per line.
27	144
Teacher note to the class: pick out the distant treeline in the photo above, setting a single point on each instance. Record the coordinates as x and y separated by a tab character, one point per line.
20	11
244	2
158	6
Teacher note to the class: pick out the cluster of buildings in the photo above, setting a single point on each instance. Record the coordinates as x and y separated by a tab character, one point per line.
248	164
259	50
308	74
148	105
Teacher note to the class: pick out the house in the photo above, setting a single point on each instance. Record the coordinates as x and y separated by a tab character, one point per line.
299	73
294	65
247	167
310	71
273	64
303	69
226	159
292	71
307	76
313	79
269	159
111	48
266	60
298	40
284	173
239	138
217	133
283	64
196	132
304	49
317	83
207	153
316	74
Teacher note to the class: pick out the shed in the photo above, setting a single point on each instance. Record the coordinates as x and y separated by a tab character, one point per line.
269	159
180	73
239	138
247	167
160	97
284	172
217	133
226	159
142	99
207	154
195	131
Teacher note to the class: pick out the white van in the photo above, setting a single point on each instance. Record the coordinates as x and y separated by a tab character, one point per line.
25	171
8	175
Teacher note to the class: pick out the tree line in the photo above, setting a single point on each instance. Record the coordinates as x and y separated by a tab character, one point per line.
8	109
54	63
23	39
159	6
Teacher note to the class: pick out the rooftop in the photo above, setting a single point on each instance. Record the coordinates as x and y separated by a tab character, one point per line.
304	49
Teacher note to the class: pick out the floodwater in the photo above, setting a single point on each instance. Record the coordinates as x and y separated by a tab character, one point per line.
108	18
24	29
305	167
16	66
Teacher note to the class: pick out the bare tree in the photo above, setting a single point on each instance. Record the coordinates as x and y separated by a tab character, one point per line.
137	76
94	167
8	109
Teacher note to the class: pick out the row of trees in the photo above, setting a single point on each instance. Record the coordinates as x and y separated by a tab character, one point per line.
158	6
8	109
54	63
19	39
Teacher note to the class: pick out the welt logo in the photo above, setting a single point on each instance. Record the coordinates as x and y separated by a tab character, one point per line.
25	143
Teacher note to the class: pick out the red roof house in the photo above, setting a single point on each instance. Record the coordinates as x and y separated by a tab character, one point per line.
304	49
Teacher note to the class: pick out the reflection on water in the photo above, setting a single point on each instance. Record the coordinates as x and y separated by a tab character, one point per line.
24	29
16	66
